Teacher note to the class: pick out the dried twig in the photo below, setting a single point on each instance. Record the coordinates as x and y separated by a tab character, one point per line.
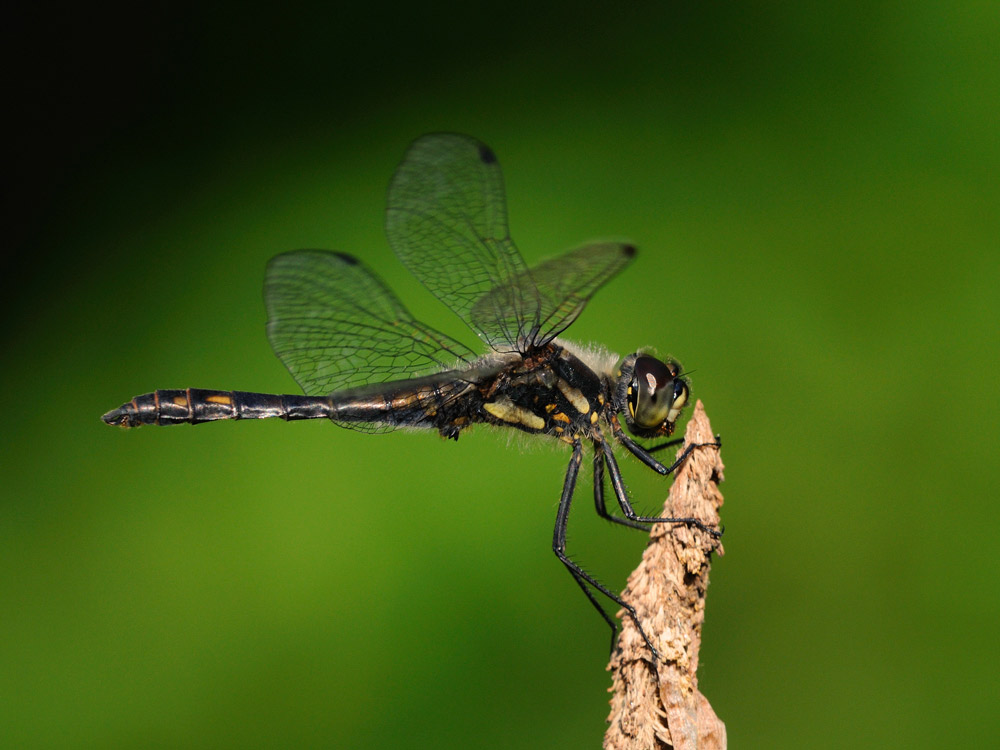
659	707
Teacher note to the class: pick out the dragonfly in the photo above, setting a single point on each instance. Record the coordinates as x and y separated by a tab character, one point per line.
364	362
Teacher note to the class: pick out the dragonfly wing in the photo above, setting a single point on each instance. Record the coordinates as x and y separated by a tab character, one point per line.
447	221
566	283
335	325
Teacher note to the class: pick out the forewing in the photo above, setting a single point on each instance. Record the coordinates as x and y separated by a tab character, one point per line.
447	221
335	325
563	285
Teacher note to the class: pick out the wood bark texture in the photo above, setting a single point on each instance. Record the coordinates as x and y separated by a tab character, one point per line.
655	707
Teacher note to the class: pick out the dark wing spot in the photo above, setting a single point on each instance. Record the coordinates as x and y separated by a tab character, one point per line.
629	251
486	154
348	259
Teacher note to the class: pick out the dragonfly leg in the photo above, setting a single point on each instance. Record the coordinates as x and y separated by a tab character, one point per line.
678	441
620	493
582	577
644	454
599	502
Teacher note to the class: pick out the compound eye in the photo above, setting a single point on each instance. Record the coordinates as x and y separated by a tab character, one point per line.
652	392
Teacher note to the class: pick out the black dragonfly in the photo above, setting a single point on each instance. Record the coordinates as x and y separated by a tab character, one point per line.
365	363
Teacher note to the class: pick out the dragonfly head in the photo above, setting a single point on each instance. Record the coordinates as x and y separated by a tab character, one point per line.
651	395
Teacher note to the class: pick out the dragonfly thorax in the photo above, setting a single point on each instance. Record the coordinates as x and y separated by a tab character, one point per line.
550	391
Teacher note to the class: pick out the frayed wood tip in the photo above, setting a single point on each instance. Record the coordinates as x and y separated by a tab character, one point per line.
659	707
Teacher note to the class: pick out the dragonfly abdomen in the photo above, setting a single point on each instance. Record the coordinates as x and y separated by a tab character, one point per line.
411	403
197	405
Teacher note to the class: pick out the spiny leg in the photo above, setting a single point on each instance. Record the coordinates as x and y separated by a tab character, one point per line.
678	441
620	493
643	454
559	537
581	576
599	503
597	605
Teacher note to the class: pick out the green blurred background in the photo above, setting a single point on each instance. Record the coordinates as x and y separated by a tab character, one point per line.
814	192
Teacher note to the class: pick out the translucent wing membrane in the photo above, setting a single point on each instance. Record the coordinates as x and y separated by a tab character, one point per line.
447	221
561	287
335	325
338	328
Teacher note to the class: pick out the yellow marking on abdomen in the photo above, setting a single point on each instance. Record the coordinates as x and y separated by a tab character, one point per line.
508	411
219	399
180	400
574	396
